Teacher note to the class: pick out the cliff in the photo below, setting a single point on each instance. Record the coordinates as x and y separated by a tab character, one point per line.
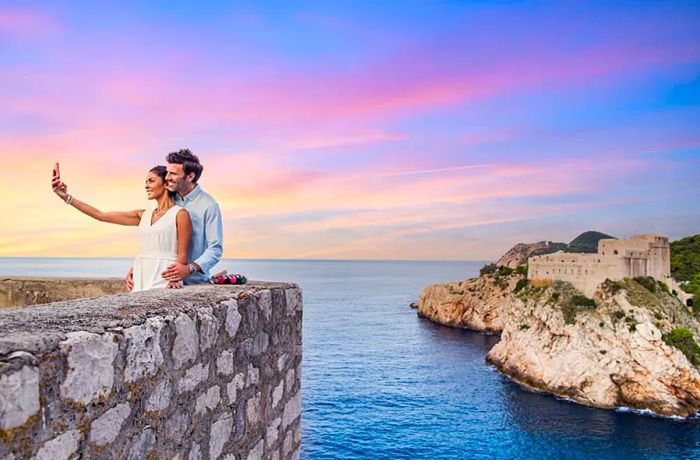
617	350
611	351
478	304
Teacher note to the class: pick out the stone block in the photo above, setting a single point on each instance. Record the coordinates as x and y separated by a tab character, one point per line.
90	366
257	451
186	343
195	452
193	377
220	432
233	318
224	363
62	447
272	432
252	411
208	400
143	353
290	380
143	444
160	397
260	343
253	375
234	387
106	428
288	444
292	410
282	362
277	394
19	396
208	329
264	299
176	426
293	300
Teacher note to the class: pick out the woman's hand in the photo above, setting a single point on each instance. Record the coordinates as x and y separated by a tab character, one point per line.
174	284
59	188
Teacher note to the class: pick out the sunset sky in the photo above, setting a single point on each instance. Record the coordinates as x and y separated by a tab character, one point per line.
351	130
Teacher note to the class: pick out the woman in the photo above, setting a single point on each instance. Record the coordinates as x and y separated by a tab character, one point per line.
164	233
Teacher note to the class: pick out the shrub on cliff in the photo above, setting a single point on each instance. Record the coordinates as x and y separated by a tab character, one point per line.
574	304
521	269
647	282
520	285
683	339
488	269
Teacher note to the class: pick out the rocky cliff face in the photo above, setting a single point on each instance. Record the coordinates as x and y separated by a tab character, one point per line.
609	355
476	304
519	253
606	354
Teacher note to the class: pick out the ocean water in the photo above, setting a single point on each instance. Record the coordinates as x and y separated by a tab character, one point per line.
381	383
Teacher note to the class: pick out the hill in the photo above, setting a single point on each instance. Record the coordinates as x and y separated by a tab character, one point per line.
587	242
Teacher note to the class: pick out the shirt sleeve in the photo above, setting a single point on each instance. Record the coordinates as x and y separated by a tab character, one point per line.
213	237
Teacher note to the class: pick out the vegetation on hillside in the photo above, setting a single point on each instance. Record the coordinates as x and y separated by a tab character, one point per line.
587	242
685	265
683	339
685	258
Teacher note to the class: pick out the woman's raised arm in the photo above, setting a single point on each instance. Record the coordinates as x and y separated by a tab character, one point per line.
120	217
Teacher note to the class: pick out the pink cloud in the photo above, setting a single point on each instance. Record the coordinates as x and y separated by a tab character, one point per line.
21	23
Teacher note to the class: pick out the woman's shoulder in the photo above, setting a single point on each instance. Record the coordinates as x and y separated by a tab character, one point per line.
180	211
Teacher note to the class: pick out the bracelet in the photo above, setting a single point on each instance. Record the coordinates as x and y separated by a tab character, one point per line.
69	199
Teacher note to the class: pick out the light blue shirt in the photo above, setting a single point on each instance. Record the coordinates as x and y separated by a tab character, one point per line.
206	246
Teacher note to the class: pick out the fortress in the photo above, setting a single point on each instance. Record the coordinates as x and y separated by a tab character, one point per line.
641	255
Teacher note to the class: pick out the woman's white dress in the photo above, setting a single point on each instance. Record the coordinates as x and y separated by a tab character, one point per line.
157	249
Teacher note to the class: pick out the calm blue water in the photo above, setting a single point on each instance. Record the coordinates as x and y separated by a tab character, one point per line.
381	383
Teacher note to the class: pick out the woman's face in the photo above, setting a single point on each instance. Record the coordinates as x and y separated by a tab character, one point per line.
155	187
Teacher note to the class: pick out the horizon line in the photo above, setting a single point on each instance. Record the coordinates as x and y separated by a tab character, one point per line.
286	259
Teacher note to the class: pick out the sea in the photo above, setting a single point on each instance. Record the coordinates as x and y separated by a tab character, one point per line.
381	383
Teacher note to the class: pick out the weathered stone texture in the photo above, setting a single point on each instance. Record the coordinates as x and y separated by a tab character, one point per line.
186	345
208	401
220	433
90	370
61	447
106	428
143	354
205	372
160	397
19	397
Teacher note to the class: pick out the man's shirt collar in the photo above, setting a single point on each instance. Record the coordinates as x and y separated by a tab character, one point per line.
190	196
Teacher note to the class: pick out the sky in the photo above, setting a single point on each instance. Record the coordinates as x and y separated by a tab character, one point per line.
354	130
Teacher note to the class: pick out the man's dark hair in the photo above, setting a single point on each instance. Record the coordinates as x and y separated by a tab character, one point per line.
189	162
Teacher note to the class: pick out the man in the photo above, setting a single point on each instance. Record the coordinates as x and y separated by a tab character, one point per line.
184	171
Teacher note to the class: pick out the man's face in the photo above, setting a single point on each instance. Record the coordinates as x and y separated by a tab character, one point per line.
176	181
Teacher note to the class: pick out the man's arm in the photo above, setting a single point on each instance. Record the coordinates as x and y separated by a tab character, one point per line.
213	235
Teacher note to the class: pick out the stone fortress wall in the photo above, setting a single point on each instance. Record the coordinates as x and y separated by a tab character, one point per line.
641	255
205	372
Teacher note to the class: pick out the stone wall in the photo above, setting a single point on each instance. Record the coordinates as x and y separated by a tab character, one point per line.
641	255
202	372
19	291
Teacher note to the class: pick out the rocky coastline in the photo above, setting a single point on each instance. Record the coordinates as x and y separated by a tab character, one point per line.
633	344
